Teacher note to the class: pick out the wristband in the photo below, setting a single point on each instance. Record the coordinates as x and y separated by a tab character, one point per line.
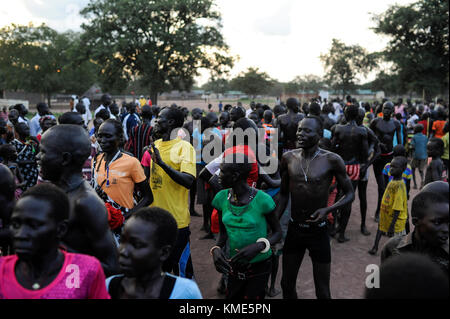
212	249
266	241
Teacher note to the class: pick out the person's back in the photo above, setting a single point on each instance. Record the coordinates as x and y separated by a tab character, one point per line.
419	141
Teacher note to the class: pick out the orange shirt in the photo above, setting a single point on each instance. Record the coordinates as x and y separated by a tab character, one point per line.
438	128
124	173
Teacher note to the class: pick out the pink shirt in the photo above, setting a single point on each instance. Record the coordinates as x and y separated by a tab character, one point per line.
146	159
81	277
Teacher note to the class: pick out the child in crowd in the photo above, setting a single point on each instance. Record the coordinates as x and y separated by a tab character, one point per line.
419	152
399	150
435	168
394	205
9	155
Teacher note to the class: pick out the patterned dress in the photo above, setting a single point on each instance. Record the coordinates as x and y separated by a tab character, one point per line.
27	152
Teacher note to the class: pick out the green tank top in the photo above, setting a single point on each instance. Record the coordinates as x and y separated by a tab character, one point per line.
245	224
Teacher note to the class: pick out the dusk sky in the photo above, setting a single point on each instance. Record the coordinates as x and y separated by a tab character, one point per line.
283	38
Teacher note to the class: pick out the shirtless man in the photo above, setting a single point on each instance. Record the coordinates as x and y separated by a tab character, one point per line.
306	175
350	142
64	149
385	129
287	125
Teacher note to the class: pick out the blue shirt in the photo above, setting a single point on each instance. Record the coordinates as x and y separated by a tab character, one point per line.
183	289
419	142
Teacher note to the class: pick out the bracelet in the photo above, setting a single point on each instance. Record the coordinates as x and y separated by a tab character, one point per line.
212	249
266	241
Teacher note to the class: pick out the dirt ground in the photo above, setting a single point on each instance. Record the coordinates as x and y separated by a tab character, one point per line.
348	260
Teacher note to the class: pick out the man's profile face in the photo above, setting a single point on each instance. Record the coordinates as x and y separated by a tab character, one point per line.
33	227
307	133
433	227
162	123
49	158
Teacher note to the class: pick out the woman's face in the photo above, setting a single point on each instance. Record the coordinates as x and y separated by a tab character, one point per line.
108	138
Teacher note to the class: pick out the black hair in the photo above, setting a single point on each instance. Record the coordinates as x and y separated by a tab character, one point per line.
351	112
146	112
104	114
69	139
41	105
240	112
205	123
117	127
175	114
7	185
6	150
268	114
70	118
314	109
403	161
239	162
420	203
418	128
319	122
410	276
57	198
439	144
166	225
21	128
399	150
292	102
80	107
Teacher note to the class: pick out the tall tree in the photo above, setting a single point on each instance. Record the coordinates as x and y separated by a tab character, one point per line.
252	82
39	59
308	82
344	63
216	85
161	43
418	46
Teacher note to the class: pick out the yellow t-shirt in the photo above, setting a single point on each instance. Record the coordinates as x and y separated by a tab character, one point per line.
124	173
169	195
394	198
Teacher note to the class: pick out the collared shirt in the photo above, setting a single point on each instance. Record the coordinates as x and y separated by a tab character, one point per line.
35	128
404	244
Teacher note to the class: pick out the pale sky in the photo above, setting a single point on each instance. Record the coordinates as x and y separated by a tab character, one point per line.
283	38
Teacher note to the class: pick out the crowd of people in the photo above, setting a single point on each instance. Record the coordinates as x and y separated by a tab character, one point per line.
102	200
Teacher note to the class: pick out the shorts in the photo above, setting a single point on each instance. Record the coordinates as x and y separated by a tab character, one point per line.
250	284
353	171
315	239
419	163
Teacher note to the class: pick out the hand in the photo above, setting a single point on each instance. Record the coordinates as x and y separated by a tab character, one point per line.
156	157
318	216
390	232
220	261
247	253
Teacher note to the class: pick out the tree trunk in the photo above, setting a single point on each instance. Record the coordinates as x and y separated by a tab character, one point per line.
49	97
154	97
